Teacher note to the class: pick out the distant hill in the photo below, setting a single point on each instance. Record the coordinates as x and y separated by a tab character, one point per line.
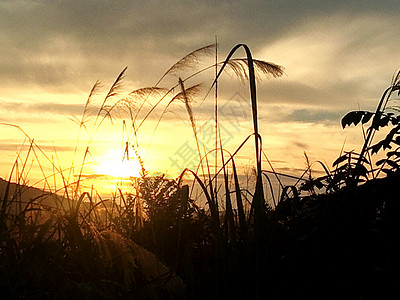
25	194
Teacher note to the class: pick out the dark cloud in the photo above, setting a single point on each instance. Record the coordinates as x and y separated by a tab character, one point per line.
314	116
68	43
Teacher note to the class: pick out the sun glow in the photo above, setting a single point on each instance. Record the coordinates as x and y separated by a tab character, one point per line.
118	167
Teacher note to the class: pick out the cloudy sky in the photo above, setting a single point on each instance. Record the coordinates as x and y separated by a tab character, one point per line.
337	55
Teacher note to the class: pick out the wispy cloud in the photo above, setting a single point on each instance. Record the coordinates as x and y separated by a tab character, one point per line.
53	108
47	148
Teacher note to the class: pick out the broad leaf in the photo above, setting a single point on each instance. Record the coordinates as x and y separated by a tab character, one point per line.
397	140
393	153
383	122
367	116
340	160
353	117
393	164
380	162
375	148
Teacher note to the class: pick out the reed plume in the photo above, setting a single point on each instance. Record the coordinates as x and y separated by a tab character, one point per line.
240	66
189	61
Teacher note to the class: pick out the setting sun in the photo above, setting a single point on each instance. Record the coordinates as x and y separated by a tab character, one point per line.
114	165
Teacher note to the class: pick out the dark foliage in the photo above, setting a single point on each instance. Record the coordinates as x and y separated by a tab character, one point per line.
337	246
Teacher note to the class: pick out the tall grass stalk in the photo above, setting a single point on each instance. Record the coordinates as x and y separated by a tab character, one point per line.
82	123
394	86
216	116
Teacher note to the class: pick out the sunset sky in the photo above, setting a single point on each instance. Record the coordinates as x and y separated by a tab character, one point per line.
337	55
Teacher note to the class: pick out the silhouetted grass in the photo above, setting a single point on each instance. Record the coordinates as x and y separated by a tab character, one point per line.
326	238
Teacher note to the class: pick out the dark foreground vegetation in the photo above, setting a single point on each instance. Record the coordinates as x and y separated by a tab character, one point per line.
342	245
333	237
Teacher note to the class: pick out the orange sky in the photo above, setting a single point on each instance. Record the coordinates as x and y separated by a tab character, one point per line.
52	54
